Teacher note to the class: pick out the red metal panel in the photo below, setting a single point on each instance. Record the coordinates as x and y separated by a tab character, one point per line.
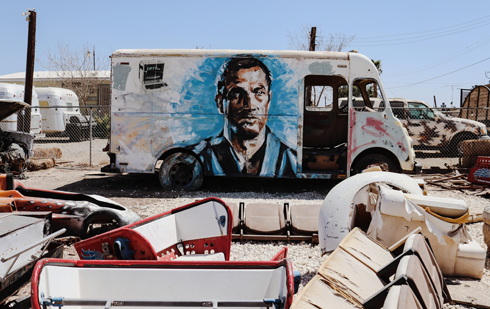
481	172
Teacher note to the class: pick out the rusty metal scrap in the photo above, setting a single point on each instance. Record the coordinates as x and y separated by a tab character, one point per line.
457	181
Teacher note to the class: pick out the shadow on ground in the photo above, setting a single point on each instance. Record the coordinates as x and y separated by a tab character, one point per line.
145	185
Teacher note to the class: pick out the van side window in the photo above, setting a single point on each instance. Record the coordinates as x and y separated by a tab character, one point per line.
398	109
420	111
318	97
321	91
151	74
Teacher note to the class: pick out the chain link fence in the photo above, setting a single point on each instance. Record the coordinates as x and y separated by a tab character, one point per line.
77	135
445	137
74	135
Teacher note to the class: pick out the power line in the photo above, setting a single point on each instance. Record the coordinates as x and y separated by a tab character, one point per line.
413	84
413	37
412	40
472	22
444	60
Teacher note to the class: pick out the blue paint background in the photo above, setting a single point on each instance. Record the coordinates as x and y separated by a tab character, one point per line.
199	90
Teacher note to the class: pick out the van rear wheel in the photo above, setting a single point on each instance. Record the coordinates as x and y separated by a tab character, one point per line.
372	159
181	171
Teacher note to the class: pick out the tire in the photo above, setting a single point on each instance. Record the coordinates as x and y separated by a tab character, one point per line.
98	223
75	133
456	144
374	159
181	171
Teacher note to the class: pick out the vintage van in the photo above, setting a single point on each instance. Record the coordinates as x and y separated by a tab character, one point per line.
63	117
431	129
190	113
16	93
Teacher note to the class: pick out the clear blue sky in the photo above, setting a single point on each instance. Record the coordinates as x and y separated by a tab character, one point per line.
416	41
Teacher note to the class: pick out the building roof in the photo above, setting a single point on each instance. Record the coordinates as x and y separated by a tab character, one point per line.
52	75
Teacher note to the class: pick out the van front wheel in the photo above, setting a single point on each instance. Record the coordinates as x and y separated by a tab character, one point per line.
181	171
372	159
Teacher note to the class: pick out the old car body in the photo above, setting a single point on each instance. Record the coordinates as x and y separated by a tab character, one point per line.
15	146
431	129
80	214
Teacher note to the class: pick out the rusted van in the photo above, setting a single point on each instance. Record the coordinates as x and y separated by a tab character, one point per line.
190	113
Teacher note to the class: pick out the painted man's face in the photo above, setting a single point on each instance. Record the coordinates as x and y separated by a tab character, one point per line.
248	99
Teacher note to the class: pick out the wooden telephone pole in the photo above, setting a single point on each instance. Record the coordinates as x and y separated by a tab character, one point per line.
312	38
24	119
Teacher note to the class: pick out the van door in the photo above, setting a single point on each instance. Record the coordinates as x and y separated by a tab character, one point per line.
324	126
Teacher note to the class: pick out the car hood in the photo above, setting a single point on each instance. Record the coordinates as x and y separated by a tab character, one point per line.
9	107
467	121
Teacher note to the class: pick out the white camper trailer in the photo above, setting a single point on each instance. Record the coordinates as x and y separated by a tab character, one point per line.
16	93
63	117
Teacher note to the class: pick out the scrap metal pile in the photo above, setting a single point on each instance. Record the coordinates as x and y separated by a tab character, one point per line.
458	181
15	146
389	246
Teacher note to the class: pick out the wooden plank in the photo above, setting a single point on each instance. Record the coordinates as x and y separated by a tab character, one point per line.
469	292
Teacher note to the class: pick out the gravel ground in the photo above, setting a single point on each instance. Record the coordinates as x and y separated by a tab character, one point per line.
305	257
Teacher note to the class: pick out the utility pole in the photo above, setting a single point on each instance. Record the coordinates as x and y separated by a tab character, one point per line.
24	123
312	38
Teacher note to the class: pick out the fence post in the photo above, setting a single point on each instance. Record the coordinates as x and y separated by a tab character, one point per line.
90	137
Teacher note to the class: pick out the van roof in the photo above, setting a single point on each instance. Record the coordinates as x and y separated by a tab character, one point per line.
229	53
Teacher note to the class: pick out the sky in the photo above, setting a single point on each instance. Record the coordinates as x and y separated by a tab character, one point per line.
427	48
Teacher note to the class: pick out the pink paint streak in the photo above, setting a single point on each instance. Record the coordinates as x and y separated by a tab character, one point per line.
374	127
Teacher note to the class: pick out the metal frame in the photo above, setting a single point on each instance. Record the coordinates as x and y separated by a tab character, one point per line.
16	254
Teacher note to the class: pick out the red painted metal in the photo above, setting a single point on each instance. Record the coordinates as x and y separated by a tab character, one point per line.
143	249
481	172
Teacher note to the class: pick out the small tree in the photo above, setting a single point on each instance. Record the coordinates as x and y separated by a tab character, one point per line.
76	69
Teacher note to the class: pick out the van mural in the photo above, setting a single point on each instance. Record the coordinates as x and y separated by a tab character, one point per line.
246	145
224	113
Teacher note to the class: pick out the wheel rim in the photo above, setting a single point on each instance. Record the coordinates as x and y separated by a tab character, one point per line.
384	166
181	175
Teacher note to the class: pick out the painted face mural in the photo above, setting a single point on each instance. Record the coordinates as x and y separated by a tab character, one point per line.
246	145
246	96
